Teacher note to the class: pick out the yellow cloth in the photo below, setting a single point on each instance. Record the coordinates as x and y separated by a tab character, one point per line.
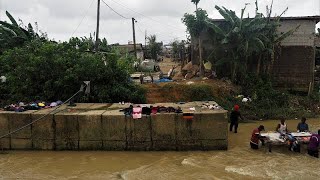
208	65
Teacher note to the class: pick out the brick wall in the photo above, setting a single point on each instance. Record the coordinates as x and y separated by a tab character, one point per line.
294	67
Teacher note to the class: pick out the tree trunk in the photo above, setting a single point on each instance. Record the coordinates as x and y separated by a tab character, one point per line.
200	58
233	75
270	65
258	65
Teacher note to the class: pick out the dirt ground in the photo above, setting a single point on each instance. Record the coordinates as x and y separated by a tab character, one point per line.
167	64
155	92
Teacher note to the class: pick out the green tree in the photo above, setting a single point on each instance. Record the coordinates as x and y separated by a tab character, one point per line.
243	38
153	46
195	25
51	71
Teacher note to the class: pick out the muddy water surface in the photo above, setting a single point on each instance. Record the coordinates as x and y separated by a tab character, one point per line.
239	162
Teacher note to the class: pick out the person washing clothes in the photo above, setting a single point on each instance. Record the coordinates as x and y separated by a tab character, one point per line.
282	127
303	126
313	147
256	137
234	118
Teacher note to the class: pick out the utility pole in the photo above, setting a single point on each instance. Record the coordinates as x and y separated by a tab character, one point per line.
97	30
145	38
134	37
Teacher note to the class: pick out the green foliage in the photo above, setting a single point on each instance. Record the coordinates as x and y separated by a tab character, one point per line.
153	46
177	47
196	2
195	23
238	40
198	92
88	44
14	35
52	71
182	92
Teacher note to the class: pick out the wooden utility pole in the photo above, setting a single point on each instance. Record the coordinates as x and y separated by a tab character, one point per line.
134	37
145	39
98	24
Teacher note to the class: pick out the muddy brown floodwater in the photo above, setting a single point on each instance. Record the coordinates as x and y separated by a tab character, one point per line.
239	162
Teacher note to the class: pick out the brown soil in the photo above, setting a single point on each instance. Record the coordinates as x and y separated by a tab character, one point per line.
167	64
156	93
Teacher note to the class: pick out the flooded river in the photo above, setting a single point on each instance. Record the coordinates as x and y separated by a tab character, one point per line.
239	162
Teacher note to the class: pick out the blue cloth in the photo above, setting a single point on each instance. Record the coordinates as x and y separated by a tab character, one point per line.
302	127
163	80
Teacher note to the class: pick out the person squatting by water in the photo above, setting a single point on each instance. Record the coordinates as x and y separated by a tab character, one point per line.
303	126
313	147
282	127
256	137
284	133
234	118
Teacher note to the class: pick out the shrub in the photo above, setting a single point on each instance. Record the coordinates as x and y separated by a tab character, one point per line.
51	71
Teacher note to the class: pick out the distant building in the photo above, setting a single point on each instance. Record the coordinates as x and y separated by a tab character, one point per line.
295	62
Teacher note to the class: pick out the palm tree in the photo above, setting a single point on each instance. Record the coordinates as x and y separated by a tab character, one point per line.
196	2
195	25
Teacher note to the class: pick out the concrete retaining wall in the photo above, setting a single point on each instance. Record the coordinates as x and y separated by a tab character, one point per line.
111	130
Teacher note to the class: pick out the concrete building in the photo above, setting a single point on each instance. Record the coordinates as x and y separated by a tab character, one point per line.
295	61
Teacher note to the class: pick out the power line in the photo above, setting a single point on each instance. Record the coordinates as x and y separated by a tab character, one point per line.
85	15
160	33
115	10
144	15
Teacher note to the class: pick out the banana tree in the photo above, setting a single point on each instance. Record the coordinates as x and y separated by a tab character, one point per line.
241	38
13	35
247	37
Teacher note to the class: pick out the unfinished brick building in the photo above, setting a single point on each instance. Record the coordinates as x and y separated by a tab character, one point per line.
294	68
295	61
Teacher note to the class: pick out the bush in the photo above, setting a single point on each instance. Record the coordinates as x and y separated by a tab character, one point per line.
51	71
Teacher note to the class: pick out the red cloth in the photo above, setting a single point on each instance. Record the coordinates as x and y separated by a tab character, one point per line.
255	136
236	107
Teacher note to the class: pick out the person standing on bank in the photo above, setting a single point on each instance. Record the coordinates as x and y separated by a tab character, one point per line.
234	118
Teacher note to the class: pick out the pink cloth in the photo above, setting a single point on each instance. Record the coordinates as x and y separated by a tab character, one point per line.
137	113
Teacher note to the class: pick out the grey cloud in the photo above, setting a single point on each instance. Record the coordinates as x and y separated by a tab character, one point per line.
59	18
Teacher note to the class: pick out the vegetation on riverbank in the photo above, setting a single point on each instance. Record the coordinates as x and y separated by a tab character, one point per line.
39	69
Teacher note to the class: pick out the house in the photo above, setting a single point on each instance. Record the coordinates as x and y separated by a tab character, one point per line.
294	65
129	49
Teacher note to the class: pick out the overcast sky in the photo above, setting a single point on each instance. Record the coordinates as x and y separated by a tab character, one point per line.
60	18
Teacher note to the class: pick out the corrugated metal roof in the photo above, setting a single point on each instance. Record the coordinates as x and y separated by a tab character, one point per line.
315	18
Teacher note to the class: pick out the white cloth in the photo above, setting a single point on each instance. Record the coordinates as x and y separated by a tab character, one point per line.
283	128
3	79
